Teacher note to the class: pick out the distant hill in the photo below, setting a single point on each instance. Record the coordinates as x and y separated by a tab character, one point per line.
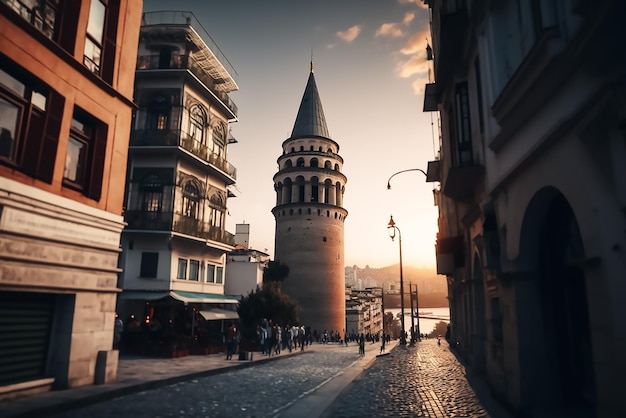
432	288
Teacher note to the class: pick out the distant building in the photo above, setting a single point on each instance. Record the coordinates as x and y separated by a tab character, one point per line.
532	99
245	266
364	312
178	182
66	100
310	216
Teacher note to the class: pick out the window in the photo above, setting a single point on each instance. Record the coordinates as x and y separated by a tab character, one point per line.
159	111
191	200
219	275
42	14
300	162
464	133
288	164
314	189
99	54
197	122
30	121
95	32
182	269
219	137
149	264
314	162
210	273
84	159
151	190
217	206
194	270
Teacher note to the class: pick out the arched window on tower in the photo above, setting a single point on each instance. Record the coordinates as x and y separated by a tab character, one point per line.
301	147
288	164
327	190
314	189
300	162
300	183
336	167
287	191
328	165
314	162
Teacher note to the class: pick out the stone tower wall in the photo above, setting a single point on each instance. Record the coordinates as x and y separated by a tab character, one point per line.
310	240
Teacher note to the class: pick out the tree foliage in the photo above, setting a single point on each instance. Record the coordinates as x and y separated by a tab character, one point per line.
267	302
275	272
392	325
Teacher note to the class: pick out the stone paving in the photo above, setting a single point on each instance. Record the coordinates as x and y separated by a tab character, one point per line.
260	391
324	381
422	381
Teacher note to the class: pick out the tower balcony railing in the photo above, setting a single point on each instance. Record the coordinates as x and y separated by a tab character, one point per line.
185	62
170	221
179	138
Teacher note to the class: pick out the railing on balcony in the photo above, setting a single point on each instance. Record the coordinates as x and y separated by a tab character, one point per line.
179	138
176	222
185	62
196	228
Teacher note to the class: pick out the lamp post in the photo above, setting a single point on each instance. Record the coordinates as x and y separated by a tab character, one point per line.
404	171
392	228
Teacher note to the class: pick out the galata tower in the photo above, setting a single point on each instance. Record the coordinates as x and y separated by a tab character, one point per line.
310	217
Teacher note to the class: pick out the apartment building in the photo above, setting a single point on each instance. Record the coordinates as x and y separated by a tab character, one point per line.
66	100
178	183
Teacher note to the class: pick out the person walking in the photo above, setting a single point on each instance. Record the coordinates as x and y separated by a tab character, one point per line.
362	345
231	341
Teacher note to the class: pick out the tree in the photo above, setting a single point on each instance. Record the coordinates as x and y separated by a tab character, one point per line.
439	330
275	272
392	325
267	302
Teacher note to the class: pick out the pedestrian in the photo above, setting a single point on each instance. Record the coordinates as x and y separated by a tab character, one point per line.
117	332
382	345
231	341
362	345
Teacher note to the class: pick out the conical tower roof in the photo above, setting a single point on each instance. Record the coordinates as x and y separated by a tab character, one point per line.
310	120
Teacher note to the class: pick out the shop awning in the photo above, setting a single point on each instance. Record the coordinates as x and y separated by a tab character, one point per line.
193	297
213	314
142	295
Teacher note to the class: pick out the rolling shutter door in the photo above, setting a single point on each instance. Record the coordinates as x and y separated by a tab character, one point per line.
25	323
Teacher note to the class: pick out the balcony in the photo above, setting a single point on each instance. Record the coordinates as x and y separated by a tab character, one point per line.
461	182
179	138
176	222
185	62
450	255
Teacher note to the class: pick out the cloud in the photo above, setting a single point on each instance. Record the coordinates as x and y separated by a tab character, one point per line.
350	34
408	18
417	42
416	68
390	29
419	3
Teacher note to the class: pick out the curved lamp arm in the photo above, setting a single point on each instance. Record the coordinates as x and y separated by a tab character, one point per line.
404	171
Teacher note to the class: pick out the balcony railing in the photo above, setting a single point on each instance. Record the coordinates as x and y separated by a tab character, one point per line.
176	222
179	138
185	62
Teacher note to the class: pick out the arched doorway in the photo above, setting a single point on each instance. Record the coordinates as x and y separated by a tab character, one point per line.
552	309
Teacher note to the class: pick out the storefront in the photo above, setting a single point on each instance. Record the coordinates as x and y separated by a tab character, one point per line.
174	323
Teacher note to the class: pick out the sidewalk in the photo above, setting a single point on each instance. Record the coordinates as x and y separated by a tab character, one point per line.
136	374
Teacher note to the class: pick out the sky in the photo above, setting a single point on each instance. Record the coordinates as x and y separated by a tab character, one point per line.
370	68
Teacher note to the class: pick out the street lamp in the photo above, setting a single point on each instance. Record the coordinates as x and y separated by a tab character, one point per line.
392	228
404	171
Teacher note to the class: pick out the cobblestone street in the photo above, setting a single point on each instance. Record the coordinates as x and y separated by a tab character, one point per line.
422	381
